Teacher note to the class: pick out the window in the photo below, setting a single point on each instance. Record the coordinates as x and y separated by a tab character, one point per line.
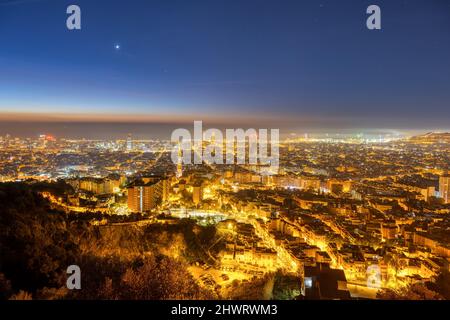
308	282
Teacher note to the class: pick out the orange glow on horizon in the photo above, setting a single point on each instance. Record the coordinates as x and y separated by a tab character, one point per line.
127	118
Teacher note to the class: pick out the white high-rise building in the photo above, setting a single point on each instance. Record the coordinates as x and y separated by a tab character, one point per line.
129	143
444	188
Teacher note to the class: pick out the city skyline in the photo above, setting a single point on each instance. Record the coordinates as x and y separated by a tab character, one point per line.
106	130
370	220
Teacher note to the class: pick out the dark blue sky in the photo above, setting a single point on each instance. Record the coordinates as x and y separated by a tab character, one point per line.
302	63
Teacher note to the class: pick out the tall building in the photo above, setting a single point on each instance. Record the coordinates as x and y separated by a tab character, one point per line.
197	193
164	182
143	198
129	143
444	187
180	162
42	140
147	193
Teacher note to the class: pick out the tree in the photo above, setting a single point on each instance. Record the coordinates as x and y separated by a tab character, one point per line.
161	278
417	291
5	287
442	284
21	295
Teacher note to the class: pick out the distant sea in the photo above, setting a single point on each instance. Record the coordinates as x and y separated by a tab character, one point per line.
88	130
147	131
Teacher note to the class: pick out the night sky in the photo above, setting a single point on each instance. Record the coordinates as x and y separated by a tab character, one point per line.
294	64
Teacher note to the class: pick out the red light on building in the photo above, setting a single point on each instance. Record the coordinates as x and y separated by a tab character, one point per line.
50	138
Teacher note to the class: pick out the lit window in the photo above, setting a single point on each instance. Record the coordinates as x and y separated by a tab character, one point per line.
308	282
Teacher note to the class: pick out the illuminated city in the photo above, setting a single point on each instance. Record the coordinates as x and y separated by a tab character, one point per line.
376	210
263	152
